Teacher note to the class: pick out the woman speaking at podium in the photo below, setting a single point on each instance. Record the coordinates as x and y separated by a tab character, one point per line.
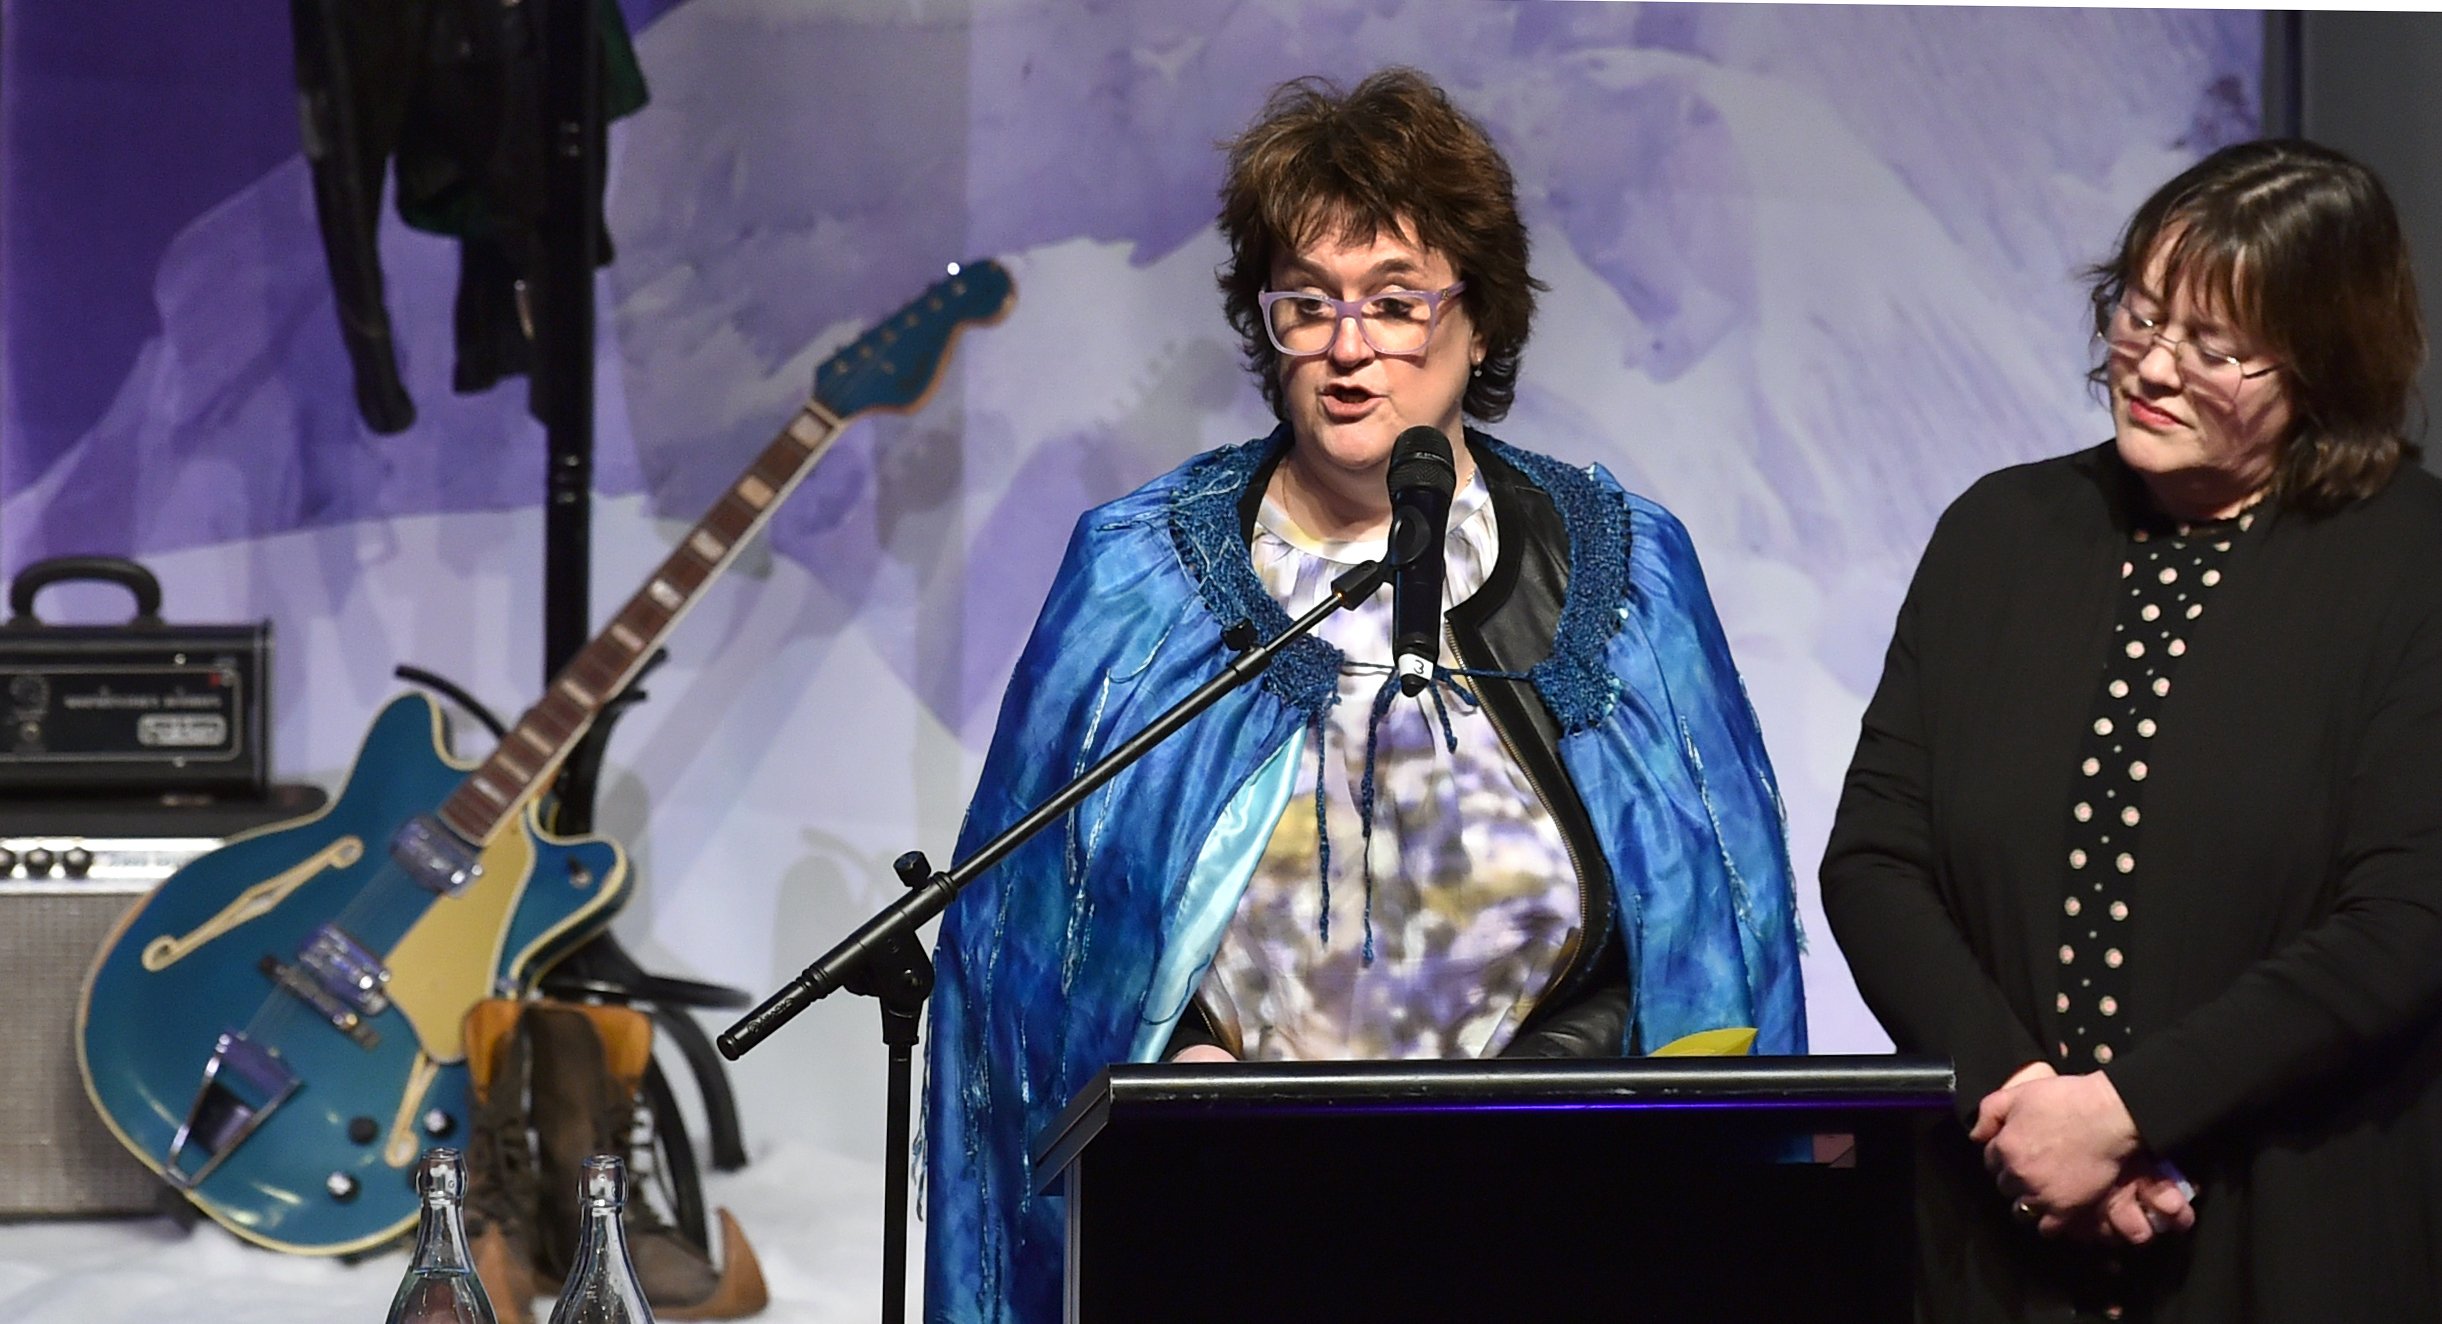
1567	842
2144	827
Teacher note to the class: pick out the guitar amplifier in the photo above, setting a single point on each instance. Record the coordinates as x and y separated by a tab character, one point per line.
70	869
143	706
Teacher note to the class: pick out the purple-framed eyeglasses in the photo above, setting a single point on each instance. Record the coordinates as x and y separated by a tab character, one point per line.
1303	323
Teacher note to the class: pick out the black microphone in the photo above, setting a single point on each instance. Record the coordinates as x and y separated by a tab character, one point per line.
1422	479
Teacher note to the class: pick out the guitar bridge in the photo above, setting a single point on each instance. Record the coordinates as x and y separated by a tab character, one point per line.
339	979
243	1084
437	859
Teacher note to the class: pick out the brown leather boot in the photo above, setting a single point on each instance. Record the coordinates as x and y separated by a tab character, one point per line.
589	1063
500	1178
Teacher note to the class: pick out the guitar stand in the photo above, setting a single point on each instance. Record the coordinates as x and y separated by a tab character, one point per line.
602	970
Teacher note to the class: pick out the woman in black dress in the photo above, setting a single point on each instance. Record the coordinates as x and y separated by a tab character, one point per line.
2144	827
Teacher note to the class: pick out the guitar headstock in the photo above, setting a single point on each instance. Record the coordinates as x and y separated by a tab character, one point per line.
894	365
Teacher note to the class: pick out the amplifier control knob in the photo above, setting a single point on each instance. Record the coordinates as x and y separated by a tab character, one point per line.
76	861
8	861
38	862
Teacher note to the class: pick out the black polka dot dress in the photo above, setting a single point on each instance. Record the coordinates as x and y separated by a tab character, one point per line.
2169	574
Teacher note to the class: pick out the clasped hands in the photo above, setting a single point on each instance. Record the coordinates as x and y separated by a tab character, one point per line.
2066	1154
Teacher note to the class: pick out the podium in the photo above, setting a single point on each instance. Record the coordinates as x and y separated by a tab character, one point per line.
1650	1189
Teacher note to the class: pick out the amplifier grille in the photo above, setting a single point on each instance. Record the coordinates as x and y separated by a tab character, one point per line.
56	1157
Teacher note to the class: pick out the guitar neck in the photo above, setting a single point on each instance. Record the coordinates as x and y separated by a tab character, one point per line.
494	794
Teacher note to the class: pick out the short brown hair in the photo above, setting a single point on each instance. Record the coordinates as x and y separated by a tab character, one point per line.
1391	156
2301	245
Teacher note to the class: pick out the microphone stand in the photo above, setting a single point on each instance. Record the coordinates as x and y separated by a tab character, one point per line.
883	960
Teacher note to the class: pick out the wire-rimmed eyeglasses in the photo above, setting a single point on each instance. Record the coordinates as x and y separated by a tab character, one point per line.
2132	333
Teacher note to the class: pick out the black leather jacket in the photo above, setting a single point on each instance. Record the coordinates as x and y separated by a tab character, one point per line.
1507	625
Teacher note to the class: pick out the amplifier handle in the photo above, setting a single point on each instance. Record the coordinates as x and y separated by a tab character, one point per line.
58	569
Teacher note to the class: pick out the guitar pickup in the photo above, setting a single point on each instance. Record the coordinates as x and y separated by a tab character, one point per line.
294	981
437	859
243	1084
339	979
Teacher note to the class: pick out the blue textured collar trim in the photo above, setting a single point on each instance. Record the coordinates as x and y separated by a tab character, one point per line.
1576	685
1204	525
1575	682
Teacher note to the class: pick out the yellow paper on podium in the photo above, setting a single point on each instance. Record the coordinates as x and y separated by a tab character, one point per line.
1730	1041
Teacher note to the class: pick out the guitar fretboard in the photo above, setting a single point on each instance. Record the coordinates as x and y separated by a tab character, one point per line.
494	793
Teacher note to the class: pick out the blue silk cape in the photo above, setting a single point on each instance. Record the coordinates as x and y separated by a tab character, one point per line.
1045	962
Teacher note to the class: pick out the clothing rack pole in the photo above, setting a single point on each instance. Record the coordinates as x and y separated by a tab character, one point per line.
569	252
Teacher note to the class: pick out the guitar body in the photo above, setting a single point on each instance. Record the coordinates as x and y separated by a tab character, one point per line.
306	1139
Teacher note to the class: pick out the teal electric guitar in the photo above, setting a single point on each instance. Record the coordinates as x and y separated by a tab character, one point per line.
276	1029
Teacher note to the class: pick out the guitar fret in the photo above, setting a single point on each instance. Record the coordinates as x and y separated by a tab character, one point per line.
650	616
527	733
518	770
583	697
570	715
628	639
688	576
609	680
455	814
547	720
598	668
780	465
730	521
490	792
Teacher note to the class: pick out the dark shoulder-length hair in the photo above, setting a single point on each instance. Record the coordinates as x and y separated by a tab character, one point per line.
1390	156
2301	246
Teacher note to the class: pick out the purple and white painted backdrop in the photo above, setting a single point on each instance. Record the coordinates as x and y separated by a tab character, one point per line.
1811	268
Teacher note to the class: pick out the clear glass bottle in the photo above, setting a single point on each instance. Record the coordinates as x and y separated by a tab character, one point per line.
602	1286
441	1286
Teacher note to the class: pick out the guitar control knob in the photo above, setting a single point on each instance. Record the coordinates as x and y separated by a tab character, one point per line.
438	1123
364	1130
38	862
76	861
8	861
341	1186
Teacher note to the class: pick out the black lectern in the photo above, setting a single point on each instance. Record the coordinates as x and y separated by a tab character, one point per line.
1697	1189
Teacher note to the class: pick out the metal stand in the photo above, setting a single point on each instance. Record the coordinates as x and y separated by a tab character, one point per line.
899	977
562	295
883	958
